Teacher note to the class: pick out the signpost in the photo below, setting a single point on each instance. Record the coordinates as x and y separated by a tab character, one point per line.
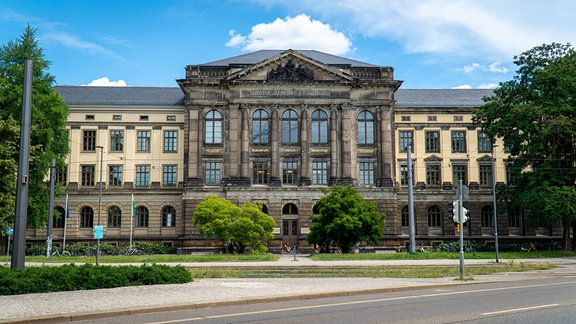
9	231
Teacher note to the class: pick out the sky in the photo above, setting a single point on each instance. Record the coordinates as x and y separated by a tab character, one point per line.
429	43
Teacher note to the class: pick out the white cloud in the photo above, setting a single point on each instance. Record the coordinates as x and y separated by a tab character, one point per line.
463	86
470	68
72	41
493	28
299	32
495	69
488	86
105	82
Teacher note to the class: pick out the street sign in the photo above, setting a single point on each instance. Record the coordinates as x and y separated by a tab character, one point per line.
10	230
98	231
465	192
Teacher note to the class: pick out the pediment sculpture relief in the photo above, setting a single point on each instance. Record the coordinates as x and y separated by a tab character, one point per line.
291	72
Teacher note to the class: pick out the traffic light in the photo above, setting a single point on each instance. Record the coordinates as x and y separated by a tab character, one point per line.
453	210
466	215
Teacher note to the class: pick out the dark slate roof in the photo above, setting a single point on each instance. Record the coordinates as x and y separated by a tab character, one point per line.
261	55
85	95
441	97
172	96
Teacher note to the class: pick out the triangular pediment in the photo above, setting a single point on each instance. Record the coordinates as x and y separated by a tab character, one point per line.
289	66
433	158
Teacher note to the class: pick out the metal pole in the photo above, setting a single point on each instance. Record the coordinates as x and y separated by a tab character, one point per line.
21	215
411	203
99	202
460	221
494	212
50	210
65	224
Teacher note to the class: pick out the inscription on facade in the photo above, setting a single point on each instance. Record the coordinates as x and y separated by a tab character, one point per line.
260	150
291	150
367	151
213	150
319	150
287	93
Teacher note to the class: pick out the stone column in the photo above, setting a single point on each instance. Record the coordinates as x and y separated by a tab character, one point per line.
245	140
275	167
335	149
195	131
346	145
305	147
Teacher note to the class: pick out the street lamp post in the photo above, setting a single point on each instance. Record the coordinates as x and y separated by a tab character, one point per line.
494	213
99	202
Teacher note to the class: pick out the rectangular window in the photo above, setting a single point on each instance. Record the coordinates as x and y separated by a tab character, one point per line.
61	176
405	138
117	117
432	141
169	175
116	140
115	175
404	174
170	118
319	173
260	173
290	172
432	118
458	142
485	175
143	141
170	141
212	176
143	117
89	140
366	173
89	117
405	118
484	143
88	175
142	175
458	118
459	172
433	174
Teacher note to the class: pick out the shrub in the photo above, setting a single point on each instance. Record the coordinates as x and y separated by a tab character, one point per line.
87	276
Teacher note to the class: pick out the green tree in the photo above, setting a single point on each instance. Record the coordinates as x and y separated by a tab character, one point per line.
345	219
245	226
535	115
48	135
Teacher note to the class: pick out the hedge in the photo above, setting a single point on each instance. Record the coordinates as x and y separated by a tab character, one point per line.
85	277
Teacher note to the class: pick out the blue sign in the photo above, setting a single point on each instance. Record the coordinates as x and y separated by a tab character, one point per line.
10	231
98	232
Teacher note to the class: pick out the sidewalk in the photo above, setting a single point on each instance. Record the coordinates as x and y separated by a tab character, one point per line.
201	293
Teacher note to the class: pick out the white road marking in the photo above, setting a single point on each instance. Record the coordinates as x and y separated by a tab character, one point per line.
520	309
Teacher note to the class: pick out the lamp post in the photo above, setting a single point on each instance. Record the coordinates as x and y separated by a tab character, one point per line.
494	213
99	202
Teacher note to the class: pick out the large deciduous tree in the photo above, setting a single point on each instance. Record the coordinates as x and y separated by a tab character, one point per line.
48	135
245	226
345	219
535	115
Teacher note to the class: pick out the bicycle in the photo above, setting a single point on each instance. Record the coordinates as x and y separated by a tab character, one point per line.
531	247
60	252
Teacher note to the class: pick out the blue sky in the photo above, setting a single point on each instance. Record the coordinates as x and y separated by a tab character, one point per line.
430	43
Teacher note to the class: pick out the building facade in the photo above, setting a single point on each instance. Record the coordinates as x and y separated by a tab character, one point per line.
274	127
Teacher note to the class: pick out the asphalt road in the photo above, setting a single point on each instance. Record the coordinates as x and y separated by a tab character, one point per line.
551	299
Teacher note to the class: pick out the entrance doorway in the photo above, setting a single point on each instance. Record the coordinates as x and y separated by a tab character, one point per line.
290	230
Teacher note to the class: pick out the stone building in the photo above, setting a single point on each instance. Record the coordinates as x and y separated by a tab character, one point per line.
274	127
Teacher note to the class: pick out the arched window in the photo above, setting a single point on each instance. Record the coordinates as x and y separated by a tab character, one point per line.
290	209
142	216
86	217
405	216
487	216
213	130
168	216
114	216
265	209
434	216
365	127
319	127
260	126
289	126
58	217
